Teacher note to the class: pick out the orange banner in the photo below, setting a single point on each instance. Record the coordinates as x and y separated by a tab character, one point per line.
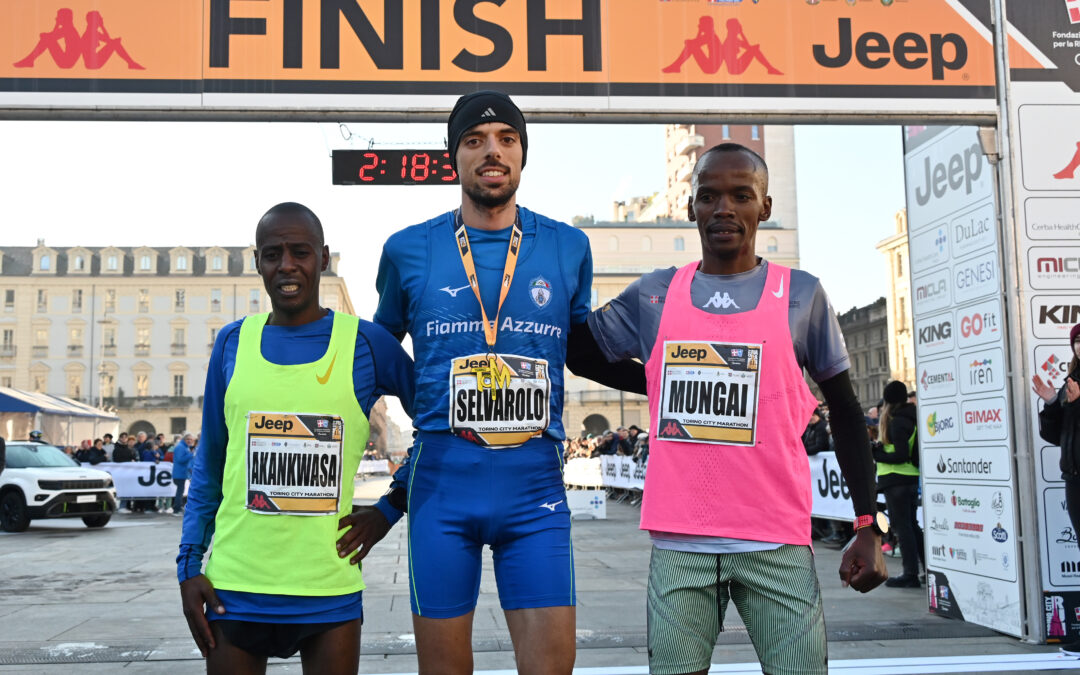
900	49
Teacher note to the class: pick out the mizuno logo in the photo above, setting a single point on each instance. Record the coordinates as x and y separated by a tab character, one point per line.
323	379
453	291
551	507
780	293
488	113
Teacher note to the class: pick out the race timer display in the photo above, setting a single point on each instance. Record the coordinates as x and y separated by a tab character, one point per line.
393	167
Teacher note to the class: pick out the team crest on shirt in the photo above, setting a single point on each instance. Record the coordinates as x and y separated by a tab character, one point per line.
540	291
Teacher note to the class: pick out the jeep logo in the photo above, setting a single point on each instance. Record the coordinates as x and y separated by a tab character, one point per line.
684	353
961	172
872	50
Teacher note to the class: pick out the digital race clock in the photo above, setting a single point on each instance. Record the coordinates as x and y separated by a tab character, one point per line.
393	167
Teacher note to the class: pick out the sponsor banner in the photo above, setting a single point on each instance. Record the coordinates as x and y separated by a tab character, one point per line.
979	324
934	335
1052	316
372	466
140	479
1052	218
587	503
976	599
1061	610
945	177
583	472
977	277
1052	363
973	231
937	378
967	462
1047	160
1059	544
1050	463
629	55
985	419
981	370
829	489
940	423
929	249
1054	268
930	293
622	472
970	529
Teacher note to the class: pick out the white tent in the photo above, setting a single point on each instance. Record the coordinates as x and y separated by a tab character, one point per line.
61	421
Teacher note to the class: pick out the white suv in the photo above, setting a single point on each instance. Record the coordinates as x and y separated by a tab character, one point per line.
40	481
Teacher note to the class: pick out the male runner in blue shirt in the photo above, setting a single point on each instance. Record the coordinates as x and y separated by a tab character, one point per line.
245	627
489	293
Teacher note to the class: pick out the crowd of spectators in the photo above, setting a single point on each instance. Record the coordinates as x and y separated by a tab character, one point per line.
625	441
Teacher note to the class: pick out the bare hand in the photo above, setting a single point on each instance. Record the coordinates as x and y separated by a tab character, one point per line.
1072	390
366	527
195	593
1042	389
862	566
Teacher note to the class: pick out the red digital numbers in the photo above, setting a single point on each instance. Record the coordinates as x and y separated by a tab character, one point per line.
450	176
420	167
374	159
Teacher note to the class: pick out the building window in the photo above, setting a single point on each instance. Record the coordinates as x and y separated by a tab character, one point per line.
41	337
179	343
254	263
216	264
178	384
725	131
108	385
755	133
254	300
5	382
680	244
39	383
901	319
215	299
9	338
76	334
80	263
113	264
110	300
9	300
181	296
144	263
771	245
142	341
646	243
144	300
142	385
76	301
45	263
74	388
42	300
594	298
899	265
181	263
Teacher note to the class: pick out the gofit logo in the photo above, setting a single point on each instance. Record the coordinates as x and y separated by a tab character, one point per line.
973	325
982	416
66	46
935	425
872	50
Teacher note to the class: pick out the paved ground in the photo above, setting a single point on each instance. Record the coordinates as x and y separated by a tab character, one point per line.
107	599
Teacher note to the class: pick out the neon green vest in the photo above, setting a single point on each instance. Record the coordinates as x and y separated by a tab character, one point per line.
286	554
905	469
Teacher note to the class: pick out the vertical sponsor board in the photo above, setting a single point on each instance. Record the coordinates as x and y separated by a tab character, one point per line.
1045	140
964	425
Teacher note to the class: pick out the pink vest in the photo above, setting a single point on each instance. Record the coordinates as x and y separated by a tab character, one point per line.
759	492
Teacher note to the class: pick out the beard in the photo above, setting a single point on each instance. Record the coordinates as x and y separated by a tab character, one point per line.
490	199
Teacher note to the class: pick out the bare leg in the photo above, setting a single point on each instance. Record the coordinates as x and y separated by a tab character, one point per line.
46	43
228	659
543	639
690	48
335	652
444	646
113	47
753	53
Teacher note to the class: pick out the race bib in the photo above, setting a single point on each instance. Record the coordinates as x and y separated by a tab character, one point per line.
294	463
710	393
499	399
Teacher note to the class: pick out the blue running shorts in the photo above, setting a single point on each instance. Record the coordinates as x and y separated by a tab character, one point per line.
463	496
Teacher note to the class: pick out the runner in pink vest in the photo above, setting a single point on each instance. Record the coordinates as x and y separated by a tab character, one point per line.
727	490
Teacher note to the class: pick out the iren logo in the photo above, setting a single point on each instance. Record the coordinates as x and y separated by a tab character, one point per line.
66	46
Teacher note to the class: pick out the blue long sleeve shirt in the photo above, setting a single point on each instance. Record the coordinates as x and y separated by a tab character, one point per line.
380	367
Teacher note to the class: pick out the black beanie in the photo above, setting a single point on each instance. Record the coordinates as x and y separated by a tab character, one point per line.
481	107
895	392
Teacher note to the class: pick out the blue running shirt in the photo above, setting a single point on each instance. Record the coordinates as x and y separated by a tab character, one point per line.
423	290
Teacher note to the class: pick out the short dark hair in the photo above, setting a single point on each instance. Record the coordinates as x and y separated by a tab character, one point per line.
759	161
293	209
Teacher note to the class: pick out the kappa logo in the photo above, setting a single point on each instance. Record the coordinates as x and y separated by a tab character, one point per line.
671	429
488	113
258	502
710	53
66	46
721	302
452	292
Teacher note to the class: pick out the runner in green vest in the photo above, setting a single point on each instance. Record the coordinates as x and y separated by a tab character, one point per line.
898	478
285	422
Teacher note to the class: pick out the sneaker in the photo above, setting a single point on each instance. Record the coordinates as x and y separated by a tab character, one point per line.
177	513
168	510
123	510
1071	648
903	581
